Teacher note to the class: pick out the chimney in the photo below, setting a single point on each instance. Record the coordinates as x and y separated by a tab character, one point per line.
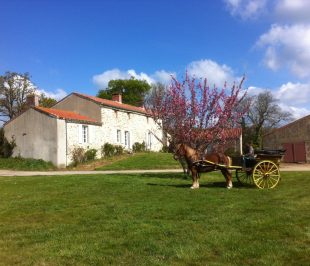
117	97
32	100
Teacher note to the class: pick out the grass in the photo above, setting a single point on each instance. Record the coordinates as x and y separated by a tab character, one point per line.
145	161
152	219
24	164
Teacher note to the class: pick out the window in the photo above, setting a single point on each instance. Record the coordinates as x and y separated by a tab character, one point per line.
84	134
118	136
127	139
149	140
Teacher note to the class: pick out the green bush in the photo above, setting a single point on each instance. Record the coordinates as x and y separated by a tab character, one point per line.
119	150
90	154
109	150
6	147
139	147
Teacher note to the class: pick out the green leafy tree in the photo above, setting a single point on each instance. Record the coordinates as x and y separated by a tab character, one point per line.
14	88
6	146
47	102
133	90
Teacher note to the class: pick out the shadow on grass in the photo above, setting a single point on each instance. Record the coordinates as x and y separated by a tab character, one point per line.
166	175
207	185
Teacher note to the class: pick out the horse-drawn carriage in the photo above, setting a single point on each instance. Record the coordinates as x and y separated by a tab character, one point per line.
261	170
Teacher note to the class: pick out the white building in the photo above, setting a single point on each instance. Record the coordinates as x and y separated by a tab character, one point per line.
81	120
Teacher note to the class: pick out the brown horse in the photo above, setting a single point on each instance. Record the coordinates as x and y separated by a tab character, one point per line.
220	160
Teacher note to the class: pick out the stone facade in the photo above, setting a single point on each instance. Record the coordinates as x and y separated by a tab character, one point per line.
297	132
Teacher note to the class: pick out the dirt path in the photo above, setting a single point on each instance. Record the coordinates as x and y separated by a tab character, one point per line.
283	167
49	173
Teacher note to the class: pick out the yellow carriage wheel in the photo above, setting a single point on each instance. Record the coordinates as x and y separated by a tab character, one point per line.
244	177
266	174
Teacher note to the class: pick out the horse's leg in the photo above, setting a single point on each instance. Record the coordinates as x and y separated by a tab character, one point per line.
228	176
195	179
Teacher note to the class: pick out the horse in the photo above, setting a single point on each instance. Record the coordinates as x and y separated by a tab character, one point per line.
220	160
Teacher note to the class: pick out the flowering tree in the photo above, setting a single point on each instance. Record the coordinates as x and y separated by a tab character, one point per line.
194	113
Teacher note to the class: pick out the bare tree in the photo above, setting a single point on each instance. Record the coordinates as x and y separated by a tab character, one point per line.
14	88
263	115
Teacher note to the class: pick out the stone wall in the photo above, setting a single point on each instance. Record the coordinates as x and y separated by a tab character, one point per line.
138	126
95	139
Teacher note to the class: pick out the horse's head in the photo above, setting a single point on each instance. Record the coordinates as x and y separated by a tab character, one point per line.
179	151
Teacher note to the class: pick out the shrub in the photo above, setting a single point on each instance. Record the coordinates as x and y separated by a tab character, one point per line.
6	147
119	150
108	150
90	154
139	147
78	155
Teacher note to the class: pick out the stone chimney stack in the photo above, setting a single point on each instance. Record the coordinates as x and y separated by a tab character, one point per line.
32	100
117	97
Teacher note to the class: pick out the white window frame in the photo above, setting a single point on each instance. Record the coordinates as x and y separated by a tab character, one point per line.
127	139
118	136
149	140
85	134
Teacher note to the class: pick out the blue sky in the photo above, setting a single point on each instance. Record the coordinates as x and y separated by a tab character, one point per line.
80	45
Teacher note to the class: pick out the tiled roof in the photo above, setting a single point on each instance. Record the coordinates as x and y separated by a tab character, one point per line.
114	104
66	115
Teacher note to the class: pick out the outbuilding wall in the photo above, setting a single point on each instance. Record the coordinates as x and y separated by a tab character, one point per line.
294	137
35	135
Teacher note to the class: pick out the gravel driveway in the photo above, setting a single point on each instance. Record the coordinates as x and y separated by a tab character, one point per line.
283	167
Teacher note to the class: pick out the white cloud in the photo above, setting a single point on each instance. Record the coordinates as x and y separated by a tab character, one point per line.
293	10
102	80
215	73
294	98
291	97
252	90
297	112
58	94
163	76
287	46
294	93
246	9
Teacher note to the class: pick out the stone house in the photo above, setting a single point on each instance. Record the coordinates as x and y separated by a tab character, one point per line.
81	120
294	138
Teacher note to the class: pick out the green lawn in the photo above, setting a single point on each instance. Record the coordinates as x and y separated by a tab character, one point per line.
152	219
149	160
